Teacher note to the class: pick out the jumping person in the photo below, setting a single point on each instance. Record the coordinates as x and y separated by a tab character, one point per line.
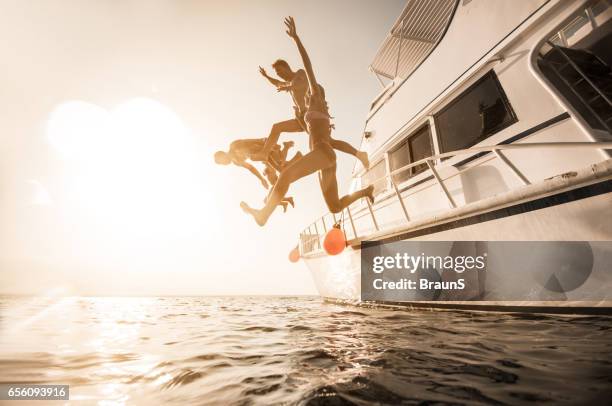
321	156
296	83
241	150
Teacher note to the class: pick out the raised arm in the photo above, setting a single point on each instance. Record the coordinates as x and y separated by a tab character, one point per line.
292	32
312	84
273	81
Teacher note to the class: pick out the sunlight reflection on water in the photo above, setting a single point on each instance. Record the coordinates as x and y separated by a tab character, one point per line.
270	350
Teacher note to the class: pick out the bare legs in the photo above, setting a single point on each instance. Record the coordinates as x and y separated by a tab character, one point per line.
347	148
272	177
286	146
277	158
288	126
294	126
329	187
321	158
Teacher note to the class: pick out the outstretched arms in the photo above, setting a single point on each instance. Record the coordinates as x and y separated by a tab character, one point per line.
292	32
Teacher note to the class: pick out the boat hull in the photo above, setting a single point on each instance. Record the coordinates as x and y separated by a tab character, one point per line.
584	216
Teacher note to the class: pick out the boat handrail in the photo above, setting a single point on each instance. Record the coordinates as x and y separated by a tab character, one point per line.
434	167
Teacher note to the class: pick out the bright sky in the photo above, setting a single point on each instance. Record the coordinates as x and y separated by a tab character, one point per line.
110	112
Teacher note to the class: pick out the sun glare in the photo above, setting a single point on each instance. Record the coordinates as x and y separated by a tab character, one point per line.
132	170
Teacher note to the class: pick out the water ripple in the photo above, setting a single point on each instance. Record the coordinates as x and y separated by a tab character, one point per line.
268	351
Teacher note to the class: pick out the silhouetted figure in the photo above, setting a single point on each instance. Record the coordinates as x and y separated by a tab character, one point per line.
321	156
296	83
242	150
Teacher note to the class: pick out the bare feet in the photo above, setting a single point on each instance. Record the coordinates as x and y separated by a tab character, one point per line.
255	213
290	201
363	157
284	204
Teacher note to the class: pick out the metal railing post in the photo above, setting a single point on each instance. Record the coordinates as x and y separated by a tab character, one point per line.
348	209
324	226
563	38
372	214
441	183
318	236
498	150
311	240
591	17
302	250
510	165
399	197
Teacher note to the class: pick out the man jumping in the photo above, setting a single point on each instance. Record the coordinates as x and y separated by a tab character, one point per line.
242	150
296	83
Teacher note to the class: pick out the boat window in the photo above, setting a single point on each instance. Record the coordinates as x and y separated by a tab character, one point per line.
413	148
477	113
374	175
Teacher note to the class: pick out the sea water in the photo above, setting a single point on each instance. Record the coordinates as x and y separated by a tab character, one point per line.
299	350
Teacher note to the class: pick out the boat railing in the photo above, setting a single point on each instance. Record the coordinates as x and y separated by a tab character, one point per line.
310	238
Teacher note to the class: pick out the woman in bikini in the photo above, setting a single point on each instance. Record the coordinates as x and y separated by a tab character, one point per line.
321	156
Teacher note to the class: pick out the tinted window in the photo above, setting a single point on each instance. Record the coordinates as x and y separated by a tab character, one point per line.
376	172
415	147
479	112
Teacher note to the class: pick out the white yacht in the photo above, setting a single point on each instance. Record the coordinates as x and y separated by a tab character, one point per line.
493	123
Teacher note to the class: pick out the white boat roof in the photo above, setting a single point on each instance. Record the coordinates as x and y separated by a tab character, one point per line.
414	35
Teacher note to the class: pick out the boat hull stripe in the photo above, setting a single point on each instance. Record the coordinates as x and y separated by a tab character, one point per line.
505	308
537	204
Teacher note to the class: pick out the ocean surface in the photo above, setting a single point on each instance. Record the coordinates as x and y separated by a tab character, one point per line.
299	350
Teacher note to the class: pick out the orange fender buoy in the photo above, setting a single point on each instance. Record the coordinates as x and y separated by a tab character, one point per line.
294	255
334	242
